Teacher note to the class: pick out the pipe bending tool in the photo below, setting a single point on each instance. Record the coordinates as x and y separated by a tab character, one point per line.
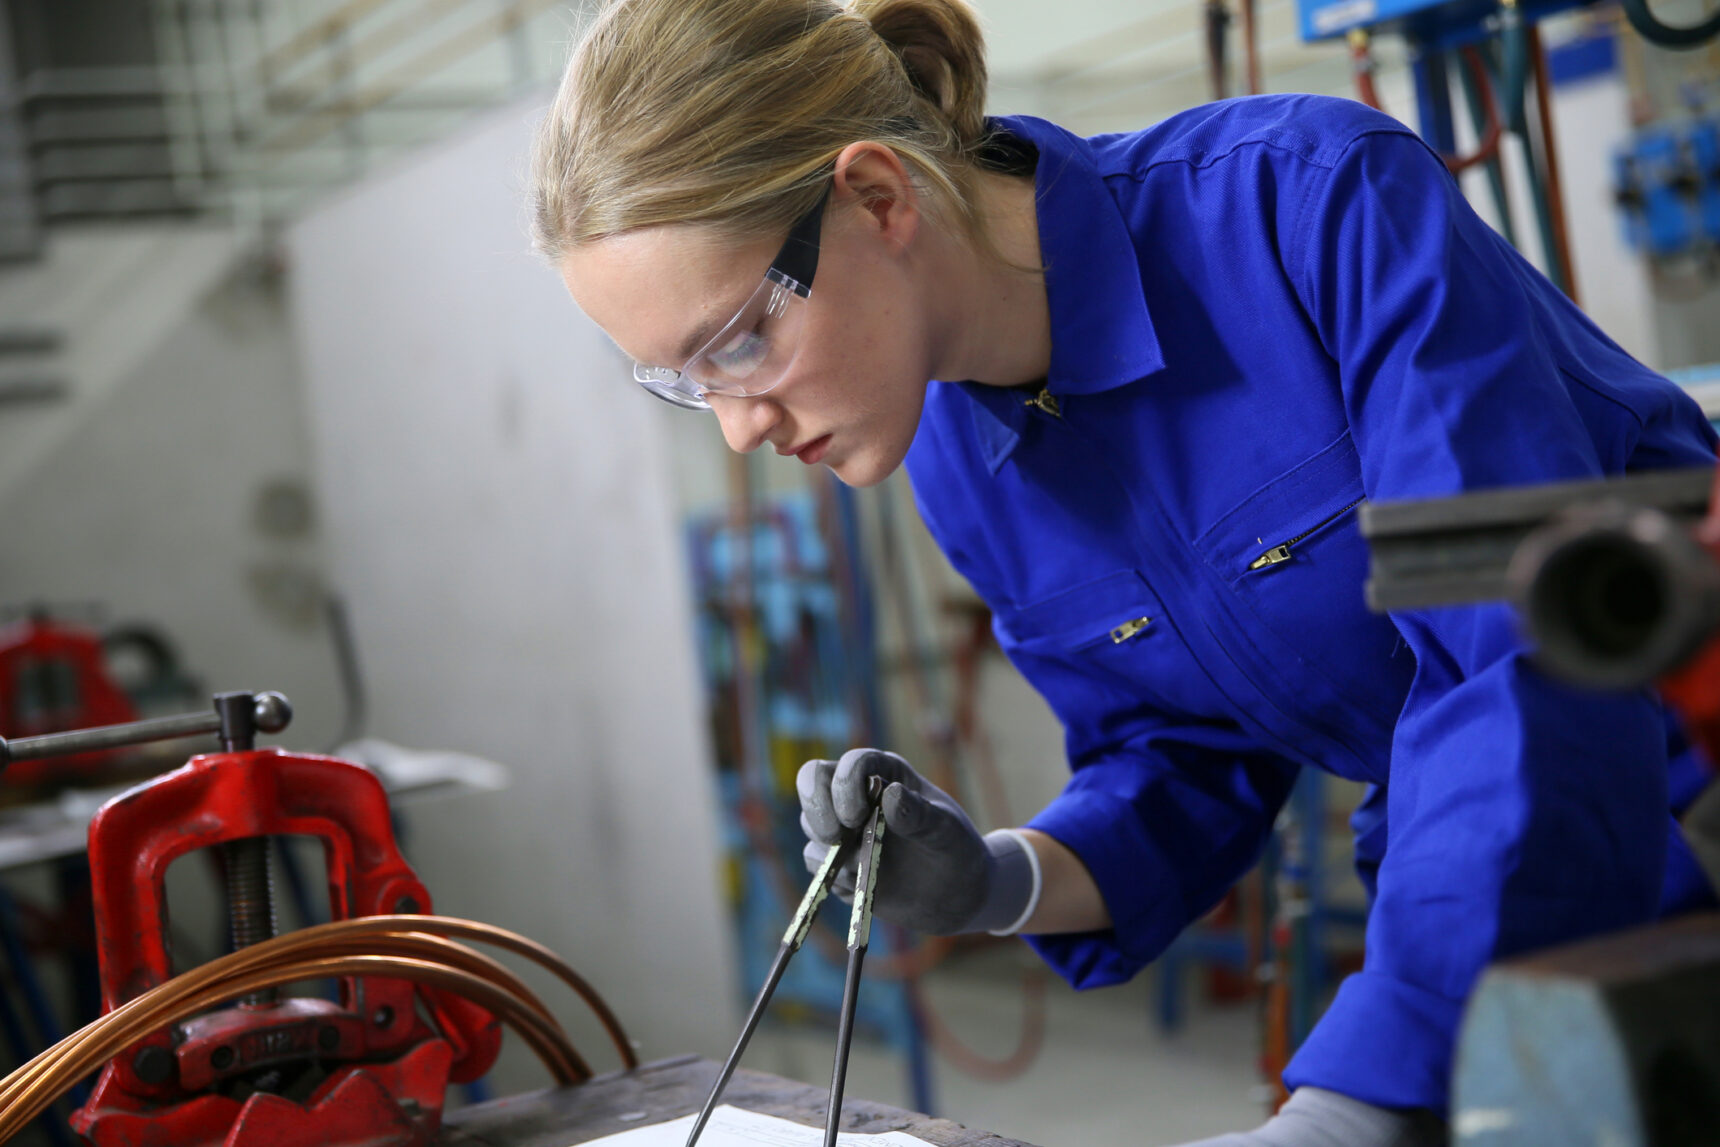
370	1067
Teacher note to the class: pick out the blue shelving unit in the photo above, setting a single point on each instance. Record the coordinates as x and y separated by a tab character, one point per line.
806	688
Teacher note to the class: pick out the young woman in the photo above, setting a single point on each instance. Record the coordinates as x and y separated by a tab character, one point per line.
1173	363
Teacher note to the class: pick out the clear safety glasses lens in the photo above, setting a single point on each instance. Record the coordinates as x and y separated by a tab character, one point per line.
747	357
751	354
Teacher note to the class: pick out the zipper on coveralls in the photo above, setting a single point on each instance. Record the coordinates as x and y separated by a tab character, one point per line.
1281	552
1129	629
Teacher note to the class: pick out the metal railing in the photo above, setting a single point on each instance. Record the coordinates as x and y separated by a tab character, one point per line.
20	226
269	105
253	107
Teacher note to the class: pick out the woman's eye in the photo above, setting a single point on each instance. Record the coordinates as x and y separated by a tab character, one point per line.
741	355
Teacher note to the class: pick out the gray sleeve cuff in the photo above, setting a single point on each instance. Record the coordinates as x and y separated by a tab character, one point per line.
1012	885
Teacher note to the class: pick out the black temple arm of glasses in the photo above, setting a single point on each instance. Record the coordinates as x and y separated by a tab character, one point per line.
798	259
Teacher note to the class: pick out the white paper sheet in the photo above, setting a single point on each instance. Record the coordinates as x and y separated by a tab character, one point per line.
737	1127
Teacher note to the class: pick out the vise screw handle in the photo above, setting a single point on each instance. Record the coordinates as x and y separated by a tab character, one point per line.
237	717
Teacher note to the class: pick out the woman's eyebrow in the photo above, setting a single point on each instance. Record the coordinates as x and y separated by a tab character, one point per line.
708	330
695	342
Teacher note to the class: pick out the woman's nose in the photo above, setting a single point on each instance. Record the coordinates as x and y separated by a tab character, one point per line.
746	422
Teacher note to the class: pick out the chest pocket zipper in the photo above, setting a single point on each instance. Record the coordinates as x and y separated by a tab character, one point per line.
1085	620
1129	629
1280	553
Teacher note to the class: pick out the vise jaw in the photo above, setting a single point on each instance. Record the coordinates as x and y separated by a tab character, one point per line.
370	1068
1612	1042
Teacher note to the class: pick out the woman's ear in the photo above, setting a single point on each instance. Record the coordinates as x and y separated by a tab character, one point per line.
874	178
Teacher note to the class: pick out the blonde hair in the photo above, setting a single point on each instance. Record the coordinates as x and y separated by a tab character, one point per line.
731	113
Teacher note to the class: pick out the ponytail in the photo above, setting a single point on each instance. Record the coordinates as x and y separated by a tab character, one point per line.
731	113
941	47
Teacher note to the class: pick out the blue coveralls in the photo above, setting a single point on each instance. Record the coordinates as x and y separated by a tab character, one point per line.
1264	311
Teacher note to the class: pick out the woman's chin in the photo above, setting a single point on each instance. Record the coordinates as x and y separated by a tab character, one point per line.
862	469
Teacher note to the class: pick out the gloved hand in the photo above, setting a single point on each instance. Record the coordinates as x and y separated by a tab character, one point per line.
938	874
1315	1117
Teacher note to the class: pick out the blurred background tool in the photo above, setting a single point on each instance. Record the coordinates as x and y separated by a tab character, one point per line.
53	677
1617	582
1615	1041
61	670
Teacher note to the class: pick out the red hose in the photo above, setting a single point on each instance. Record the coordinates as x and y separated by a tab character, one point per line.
1488	149
964	1058
1363	59
1491	138
1250	48
1550	162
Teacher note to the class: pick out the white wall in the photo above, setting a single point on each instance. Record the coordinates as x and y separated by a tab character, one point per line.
1590	118
141	498
501	519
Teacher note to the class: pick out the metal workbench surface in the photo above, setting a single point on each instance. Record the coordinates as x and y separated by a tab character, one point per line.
671	1088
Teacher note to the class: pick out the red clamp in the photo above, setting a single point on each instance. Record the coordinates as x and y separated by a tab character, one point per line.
366	1070
1693	688
53	676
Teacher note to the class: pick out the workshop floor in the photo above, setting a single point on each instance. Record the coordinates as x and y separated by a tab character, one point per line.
1107	1077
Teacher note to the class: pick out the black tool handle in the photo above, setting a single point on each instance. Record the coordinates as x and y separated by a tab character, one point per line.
859	935
266	712
791	942
774	977
844	1037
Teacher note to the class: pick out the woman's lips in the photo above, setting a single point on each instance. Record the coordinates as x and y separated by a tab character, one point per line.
814	450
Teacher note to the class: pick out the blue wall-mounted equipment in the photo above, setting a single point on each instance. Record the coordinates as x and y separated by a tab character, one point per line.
1431	23
1667	184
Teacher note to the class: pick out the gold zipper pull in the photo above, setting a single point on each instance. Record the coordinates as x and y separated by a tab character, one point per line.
1271	557
1047	402
1128	629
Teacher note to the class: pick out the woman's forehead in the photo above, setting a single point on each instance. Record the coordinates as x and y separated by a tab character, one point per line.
648	289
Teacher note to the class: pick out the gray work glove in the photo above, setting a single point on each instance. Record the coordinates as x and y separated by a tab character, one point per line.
1315	1117
938	875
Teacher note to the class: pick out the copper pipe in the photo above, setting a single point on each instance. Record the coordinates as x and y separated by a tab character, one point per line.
62	1066
1250	48
964	1058
221	974
1362	61
1550	158
1487	149
415	948
177	1000
454	927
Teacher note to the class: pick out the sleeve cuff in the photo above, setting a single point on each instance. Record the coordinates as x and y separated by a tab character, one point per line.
1017	866
1134	881
1382	1041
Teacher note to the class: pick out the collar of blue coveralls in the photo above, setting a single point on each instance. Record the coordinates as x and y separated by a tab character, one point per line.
1101	334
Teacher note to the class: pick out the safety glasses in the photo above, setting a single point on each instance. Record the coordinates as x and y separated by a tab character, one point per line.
753	351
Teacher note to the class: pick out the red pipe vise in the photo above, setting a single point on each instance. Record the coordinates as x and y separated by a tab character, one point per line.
370	1069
